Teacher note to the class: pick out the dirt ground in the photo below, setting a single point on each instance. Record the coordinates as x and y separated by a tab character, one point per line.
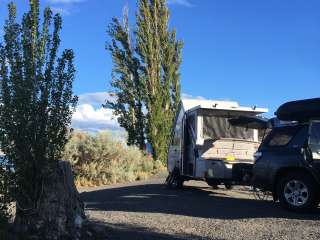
147	210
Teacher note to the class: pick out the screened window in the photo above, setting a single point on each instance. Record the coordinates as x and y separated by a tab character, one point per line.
315	133
282	136
216	127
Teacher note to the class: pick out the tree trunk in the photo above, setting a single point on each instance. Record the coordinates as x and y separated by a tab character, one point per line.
59	213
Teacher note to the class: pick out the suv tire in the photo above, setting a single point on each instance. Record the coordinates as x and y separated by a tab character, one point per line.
298	192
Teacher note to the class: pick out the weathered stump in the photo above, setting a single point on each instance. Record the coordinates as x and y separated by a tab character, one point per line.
59	213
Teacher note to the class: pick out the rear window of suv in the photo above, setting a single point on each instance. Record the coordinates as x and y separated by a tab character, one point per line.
281	136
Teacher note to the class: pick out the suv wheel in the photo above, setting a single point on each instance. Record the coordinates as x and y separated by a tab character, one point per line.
298	192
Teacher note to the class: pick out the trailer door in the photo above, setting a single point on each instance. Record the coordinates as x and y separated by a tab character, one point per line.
175	148
189	145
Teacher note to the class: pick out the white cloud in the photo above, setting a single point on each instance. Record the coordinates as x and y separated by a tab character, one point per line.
188	96
91	116
64	7
96	98
87	118
60	10
185	3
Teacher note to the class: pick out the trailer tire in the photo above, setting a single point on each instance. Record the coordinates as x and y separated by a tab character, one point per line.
228	186
298	192
213	183
174	180
214	186
177	183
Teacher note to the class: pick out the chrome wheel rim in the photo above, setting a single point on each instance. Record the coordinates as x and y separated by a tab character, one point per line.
296	193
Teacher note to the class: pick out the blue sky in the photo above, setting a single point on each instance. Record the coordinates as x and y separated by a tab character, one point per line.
259	53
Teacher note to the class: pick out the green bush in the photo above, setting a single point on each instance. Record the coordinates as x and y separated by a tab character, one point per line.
99	160
4	199
3	221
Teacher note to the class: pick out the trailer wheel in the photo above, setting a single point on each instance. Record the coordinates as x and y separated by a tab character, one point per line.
174	180
228	186
213	183
214	186
298	192
177	183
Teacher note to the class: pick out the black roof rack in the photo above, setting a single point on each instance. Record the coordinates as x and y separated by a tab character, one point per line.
301	110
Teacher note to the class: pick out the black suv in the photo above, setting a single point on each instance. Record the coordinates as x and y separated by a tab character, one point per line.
287	162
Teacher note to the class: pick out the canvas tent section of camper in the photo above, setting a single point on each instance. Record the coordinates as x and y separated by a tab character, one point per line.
203	136
209	119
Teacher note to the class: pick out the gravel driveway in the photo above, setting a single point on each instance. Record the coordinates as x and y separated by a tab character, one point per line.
147	210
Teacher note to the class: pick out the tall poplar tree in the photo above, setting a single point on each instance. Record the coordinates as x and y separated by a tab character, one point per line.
36	105
160	55
126	82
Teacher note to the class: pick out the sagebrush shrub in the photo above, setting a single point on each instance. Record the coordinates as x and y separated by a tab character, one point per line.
99	159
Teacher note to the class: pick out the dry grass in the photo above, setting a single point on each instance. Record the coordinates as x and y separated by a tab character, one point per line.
100	160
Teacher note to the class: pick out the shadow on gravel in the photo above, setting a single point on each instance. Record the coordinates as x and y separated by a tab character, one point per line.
191	201
128	231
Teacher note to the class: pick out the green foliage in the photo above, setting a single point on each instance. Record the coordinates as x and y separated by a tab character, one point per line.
36	98
147	75
126	83
4	201
6	183
98	159
160	54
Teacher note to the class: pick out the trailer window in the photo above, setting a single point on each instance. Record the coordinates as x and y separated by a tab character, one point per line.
191	121
216	127
176	141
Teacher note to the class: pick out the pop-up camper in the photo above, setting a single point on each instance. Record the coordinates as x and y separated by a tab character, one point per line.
205	146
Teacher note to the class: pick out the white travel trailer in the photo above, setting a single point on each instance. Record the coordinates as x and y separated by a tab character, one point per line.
205	146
